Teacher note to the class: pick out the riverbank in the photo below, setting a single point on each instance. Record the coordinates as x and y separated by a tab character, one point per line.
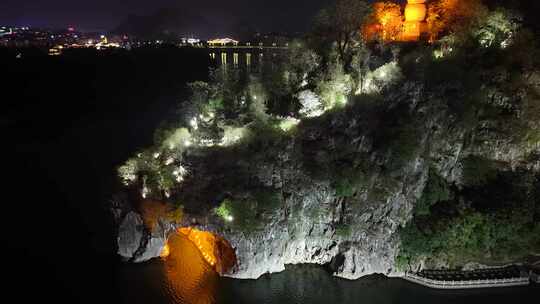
509	276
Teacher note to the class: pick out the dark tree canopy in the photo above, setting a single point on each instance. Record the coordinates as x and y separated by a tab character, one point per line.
340	24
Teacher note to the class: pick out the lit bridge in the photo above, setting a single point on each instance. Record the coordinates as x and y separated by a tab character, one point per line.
246	55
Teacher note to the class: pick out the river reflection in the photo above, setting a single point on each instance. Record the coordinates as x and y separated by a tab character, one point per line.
185	277
190	278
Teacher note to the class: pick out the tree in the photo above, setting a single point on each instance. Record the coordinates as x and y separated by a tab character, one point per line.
341	23
154	212
497	28
299	65
281	81
230	85
388	15
360	66
201	92
452	16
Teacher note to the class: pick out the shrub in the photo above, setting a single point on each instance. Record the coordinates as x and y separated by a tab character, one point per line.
477	171
380	79
224	210
344	188
177	139
343	230
234	135
128	172
471	236
311	104
404	146
267	199
240	214
350	177
498	28
402	262
153	211
436	190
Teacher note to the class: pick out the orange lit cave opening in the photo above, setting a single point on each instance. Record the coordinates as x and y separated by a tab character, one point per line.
192	262
214	250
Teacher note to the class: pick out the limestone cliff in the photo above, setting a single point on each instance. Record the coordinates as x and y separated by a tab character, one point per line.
355	234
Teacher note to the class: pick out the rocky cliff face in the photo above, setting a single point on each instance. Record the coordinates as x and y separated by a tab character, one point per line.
136	243
355	235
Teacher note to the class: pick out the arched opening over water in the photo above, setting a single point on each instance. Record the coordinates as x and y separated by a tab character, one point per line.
215	250
192	260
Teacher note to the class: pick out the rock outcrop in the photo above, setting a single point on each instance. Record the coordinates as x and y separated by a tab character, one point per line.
130	235
354	235
137	243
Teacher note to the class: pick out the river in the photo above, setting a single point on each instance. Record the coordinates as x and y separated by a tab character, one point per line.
184	277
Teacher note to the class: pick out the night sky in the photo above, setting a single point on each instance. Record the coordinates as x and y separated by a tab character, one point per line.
216	17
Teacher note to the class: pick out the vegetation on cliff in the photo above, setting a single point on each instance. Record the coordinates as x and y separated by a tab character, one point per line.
496	222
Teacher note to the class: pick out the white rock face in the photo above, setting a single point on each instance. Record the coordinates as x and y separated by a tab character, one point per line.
311	236
136	243
130	235
153	248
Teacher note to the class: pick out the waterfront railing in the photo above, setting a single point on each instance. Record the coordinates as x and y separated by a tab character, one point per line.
465	284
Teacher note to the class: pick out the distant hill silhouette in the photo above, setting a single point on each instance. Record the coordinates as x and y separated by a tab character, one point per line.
163	24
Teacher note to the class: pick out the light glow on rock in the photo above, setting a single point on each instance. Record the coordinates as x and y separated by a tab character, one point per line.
233	135
145	191
169	161
375	81
288	123
165	251
194	123
311	104
178	139
216	251
180	173
207	142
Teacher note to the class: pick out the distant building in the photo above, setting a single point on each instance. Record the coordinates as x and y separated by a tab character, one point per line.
190	42
5	31
222	42
56	51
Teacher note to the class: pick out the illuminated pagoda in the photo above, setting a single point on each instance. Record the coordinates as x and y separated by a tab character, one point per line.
389	23
415	16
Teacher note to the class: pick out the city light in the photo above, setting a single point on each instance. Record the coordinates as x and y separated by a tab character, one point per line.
222	42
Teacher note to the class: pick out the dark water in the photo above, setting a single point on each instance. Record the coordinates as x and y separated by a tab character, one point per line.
307	284
66	123
185	278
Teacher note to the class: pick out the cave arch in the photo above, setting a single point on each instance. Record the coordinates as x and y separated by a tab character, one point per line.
214	249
